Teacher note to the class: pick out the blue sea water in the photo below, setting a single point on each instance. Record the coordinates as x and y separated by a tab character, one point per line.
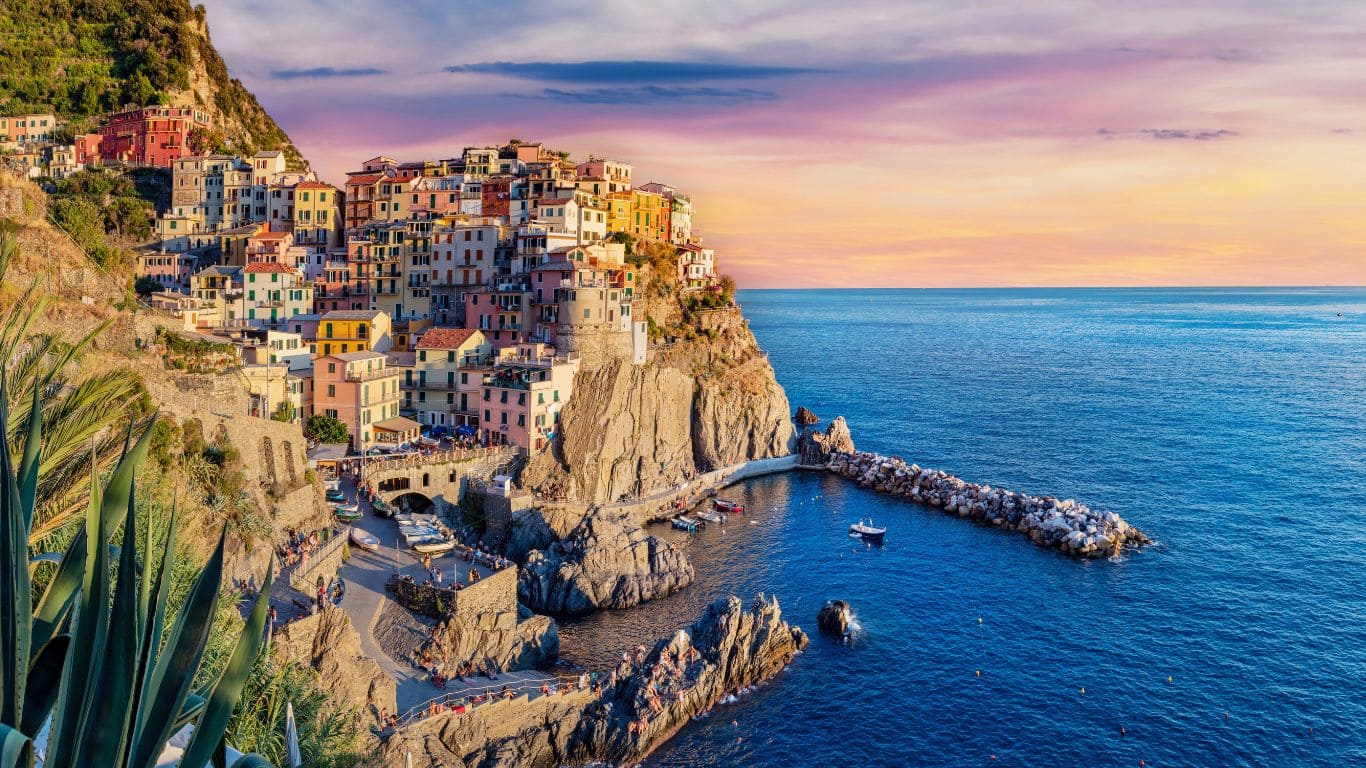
1229	424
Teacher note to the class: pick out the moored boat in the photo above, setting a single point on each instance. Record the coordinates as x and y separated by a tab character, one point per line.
865	530
710	516
347	512
684	524
433	546
364	540
727	506
382	508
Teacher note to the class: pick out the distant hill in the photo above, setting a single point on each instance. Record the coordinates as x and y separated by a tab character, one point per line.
85	58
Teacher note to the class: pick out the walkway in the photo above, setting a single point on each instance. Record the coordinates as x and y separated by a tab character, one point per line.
366	573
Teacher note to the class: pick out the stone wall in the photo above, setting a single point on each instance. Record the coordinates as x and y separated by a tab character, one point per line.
492	594
595	344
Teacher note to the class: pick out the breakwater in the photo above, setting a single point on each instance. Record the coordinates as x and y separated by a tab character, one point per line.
1063	524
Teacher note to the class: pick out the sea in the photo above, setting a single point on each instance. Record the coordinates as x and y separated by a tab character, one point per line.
1228	424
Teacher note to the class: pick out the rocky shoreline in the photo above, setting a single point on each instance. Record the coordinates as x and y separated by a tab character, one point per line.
649	696
1064	524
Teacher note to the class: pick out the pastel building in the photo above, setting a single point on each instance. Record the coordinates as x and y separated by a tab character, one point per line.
347	331
157	135
360	389
28	129
523	395
448	375
271	294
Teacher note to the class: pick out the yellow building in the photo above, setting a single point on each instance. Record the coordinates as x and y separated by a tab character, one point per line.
650	217
353	330
619	211
317	216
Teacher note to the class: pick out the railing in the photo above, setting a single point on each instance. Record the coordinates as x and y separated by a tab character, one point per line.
486	694
385	464
377	373
299	577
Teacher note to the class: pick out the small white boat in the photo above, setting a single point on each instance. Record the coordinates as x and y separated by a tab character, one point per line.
710	516
685	524
364	540
865	530
332	484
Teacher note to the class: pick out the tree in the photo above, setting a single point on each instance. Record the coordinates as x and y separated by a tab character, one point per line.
285	412
326	429
146	285
727	285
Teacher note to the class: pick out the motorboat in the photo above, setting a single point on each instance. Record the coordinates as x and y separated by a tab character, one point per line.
685	524
332	484
347	512
381	507
865	530
335	495
710	516
729	507
364	540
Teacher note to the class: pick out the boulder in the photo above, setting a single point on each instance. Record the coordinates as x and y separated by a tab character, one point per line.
607	561
327	643
804	417
833	617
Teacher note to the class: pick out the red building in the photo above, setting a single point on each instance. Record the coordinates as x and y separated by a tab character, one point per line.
150	135
496	195
88	149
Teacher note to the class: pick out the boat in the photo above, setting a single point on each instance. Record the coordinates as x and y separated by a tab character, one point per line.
685	524
436	546
381	508
865	530
724	505
335	496
332	484
364	540
347	512
710	516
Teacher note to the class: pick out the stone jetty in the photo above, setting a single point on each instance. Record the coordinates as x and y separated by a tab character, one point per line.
1063	524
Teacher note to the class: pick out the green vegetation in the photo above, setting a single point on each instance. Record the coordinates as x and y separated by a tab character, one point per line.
77	438
195	355
325	736
146	286
326	429
284	412
99	208
83	58
93	654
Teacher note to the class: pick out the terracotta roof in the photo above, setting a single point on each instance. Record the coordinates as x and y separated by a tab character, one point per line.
313	185
268	266
445	338
365	178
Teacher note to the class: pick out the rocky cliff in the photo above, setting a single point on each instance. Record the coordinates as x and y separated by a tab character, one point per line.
327	643
501	639
702	402
640	705
608	561
817	447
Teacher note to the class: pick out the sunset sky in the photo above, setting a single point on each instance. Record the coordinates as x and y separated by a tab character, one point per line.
877	143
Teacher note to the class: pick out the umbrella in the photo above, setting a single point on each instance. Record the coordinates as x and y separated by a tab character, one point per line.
292	737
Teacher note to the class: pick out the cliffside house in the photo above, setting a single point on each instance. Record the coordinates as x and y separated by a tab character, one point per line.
361	390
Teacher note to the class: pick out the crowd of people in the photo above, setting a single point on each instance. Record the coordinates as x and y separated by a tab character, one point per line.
298	546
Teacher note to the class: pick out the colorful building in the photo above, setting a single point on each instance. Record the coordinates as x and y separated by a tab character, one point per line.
28	129
360	389
522	397
448	375
354	331
272	293
155	136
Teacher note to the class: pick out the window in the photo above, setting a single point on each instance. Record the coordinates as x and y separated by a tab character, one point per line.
503	418
331	390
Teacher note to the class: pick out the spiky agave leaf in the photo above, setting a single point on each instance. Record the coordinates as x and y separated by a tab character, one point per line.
16	615
208	731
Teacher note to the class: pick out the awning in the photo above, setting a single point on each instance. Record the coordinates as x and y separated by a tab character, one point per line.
398	424
327	452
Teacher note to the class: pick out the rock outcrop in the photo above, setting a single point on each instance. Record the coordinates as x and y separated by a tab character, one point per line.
804	417
1068	525
607	561
640	705
327	643
501	639
816	447
833	617
702	403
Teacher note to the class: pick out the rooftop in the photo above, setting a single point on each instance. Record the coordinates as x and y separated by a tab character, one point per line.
352	314
268	266
355	357
445	338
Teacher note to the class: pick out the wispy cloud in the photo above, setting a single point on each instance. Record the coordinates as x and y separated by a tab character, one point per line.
627	72
652	94
324	72
1170	134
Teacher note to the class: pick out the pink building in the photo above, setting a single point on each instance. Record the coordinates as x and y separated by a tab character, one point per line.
361	390
523	397
171	270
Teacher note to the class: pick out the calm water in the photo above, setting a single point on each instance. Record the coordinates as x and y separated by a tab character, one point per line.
1228	424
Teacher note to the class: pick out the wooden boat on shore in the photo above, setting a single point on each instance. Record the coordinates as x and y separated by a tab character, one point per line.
347	513
434	546
364	540
727	506
710	516
382	508
865	530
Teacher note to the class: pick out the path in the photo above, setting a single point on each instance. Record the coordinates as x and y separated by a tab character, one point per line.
366	573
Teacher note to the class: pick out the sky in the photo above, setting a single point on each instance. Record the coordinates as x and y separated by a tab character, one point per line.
878	144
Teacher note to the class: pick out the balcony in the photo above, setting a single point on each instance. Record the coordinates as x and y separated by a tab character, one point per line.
372	375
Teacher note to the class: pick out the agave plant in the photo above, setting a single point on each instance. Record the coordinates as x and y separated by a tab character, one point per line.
89	662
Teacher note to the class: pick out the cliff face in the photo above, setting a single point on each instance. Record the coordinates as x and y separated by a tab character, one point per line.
606	562
327	643
701	403
641	704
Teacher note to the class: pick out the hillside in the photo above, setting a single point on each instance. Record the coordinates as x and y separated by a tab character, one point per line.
84	58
